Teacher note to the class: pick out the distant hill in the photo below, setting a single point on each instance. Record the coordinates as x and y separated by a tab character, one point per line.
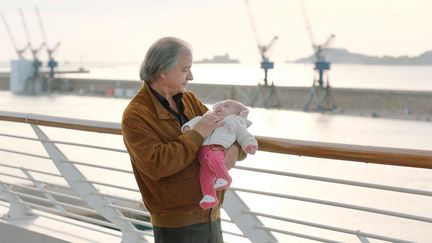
219	59
335	55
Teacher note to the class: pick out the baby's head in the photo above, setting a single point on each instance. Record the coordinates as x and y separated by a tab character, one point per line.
228	107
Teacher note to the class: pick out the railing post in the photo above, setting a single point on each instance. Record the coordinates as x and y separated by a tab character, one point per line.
247	223
17	209
87	191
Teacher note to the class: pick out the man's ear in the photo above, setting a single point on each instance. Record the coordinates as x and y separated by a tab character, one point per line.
244	113
163	75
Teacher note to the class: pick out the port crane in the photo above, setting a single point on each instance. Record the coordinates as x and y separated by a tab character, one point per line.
264	50
320	97
26	75
37	64
52	63
269	99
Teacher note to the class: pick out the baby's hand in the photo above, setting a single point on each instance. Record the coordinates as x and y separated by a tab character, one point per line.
251	149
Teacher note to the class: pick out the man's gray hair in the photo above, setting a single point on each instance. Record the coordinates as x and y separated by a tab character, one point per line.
161	57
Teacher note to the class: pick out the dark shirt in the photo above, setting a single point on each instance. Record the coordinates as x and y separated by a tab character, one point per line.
181	117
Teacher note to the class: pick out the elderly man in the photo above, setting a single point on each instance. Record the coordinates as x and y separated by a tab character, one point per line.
163	159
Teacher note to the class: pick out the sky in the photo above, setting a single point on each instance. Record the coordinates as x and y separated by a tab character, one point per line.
122	31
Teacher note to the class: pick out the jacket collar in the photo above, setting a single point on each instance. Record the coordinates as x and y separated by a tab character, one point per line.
161	112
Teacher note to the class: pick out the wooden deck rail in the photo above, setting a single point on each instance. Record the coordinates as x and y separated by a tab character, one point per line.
360	153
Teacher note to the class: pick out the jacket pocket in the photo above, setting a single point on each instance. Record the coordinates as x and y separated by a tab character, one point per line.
182	192
183	188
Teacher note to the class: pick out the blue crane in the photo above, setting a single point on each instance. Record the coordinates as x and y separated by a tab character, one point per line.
34	51
264	50
52	63
320	96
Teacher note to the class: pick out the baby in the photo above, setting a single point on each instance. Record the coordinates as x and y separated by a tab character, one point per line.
213	173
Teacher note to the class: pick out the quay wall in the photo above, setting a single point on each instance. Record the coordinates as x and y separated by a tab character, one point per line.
414	105
4	81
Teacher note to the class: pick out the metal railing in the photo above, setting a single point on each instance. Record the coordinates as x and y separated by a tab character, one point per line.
260	209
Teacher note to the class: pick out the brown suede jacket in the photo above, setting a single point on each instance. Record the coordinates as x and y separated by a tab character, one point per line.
164	160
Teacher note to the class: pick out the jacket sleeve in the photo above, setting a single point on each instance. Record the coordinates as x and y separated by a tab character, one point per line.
152	156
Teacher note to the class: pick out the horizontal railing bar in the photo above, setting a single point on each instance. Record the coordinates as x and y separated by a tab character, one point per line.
61	122
57	202
64	143
339	181
233	233
88	210
226	220
73	215
229	232
27	179
18	137
140	222
110	185
51	184
47	183
133	210
50	192
142	232
136	221
91	220
31	170
97	166
337	204
299	235
360	153
80	225
15	176
66	195
348	231
85	145
24	153
32	197
332	228
118	197
136	230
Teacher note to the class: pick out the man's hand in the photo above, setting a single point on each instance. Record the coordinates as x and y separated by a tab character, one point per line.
208	122
231	155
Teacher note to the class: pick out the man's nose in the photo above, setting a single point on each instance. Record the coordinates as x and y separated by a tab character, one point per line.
190	76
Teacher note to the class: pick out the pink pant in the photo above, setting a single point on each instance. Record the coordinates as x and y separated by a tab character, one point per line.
212	167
